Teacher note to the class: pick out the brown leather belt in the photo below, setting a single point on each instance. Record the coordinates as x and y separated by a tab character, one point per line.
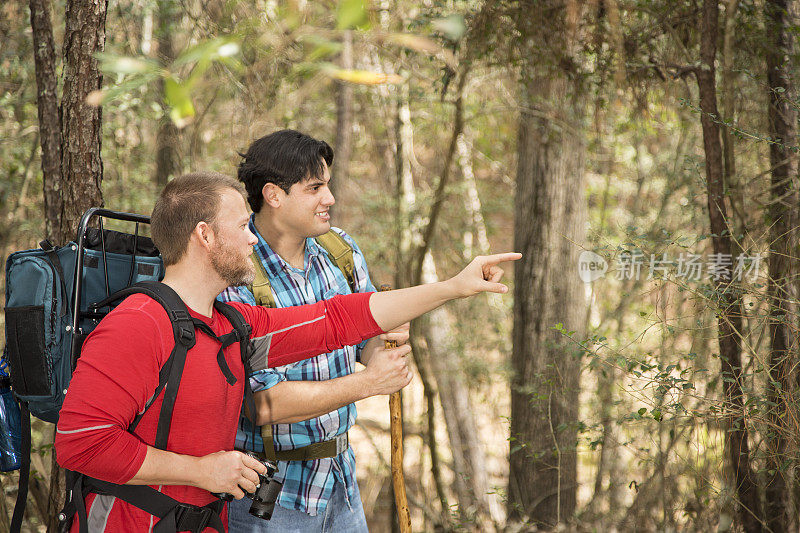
317	450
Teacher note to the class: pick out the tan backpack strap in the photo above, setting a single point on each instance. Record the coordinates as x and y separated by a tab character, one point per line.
341	253
261	288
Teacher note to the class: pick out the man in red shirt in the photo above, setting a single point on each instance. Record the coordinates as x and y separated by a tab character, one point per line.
200	225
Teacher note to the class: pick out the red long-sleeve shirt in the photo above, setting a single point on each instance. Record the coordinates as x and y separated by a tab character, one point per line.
118	372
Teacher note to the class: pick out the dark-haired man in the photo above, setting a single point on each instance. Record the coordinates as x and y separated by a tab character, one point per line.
200	222
287	178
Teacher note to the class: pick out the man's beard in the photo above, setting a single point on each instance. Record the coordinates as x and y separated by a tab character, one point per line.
234	269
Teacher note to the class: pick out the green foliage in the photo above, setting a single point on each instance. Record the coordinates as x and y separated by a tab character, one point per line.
352	14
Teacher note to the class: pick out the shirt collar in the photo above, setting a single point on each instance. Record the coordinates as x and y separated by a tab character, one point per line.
274	262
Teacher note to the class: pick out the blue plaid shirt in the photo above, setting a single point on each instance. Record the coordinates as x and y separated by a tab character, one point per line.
307	485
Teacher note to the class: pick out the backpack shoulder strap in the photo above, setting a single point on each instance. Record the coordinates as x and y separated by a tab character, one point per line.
261	288
242	328
341	254
169	377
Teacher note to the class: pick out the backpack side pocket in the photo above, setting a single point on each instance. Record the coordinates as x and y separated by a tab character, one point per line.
27	350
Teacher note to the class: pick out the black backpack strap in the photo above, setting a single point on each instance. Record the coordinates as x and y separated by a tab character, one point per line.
25	468
183	332
243	330
173	515
184	335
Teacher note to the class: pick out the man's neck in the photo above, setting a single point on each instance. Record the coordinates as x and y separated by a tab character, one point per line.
197	286
290	247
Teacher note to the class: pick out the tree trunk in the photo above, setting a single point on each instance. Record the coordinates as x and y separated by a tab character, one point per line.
344	118
544	390
729	313
81	165
782	223
49	116
550	215
408	230
471	483
75	187
168	137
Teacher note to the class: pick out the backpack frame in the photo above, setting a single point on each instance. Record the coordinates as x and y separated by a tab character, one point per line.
74	310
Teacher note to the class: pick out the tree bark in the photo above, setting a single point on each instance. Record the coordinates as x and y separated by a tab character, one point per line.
544	391
344	119
729	312
782	224
168	137
550	214
81	165
49	115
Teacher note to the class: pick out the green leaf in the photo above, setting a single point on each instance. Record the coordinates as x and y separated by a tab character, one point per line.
453	27
322	47
208	51
177	97
351	14
125	65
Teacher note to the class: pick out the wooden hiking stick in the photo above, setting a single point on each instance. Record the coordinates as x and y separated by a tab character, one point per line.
396	424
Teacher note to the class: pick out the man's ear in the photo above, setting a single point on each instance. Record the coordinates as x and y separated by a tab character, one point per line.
272	194
203	235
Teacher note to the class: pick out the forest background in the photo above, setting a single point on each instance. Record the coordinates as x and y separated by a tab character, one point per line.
641	154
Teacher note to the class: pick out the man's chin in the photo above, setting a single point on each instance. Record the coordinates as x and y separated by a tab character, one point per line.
248	279
321	228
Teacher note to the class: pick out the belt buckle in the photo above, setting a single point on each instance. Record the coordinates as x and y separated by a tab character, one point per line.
196	518
341	443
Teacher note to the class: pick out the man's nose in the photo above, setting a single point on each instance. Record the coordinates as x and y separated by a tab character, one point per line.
252	239
328	199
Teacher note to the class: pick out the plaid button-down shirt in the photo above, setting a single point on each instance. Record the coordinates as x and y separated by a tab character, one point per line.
307	485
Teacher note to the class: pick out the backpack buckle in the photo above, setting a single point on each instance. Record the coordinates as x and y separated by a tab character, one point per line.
192	518
179	314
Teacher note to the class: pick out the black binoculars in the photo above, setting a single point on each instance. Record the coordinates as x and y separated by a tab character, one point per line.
266	493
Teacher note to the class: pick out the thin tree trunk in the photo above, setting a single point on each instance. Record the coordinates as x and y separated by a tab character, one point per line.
49	115
344	118
781	221
81	165
470	474
408	232
728	90
473	203
728	93
168	137
729	321
549	219
470	483
544	391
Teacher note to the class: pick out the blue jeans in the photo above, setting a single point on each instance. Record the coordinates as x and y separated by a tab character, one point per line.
337	517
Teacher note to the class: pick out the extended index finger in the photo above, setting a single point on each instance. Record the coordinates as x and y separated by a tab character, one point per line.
502	258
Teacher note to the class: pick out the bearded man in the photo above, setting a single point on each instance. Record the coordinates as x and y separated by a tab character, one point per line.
200	225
